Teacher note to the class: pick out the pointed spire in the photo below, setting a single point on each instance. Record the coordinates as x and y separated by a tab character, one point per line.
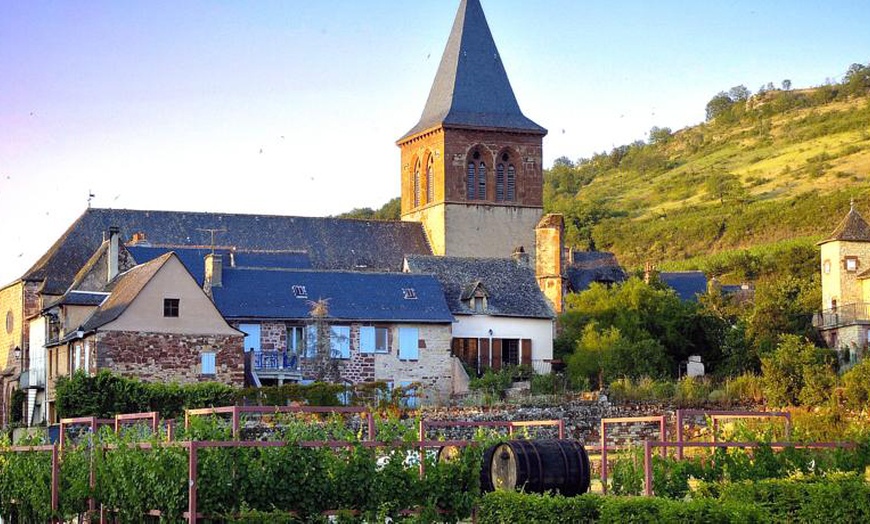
853	228
471	87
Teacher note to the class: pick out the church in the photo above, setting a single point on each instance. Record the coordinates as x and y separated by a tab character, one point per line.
471	278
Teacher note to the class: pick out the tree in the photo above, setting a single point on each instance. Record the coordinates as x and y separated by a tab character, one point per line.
324	363
718	105
739	93
659	135
783	305
798	373
722	185
563	161
786	85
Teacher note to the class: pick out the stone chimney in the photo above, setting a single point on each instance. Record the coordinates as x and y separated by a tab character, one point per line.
550	258
114	253
213	271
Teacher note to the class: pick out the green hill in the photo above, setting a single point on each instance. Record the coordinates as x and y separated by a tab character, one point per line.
770	173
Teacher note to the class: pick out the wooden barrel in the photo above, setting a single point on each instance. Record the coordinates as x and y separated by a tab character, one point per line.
486	470
538	466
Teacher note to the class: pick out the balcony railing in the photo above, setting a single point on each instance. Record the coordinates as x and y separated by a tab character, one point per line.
275	360
844	315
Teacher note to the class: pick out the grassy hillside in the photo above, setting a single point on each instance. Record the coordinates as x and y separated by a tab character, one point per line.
777	169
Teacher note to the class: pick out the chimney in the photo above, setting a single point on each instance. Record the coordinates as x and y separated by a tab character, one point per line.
213	270
520	256
114	253
550	258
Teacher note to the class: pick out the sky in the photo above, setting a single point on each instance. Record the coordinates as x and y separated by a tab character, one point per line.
293	107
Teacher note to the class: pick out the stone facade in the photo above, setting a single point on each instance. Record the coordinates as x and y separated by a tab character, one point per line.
838	283
434	369
166	357
550	259
457	225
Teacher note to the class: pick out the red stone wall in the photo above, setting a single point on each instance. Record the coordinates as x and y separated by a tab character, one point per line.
161	357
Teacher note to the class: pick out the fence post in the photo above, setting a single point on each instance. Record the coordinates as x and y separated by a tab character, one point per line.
603	457
55	481
647	469
191	486
680	434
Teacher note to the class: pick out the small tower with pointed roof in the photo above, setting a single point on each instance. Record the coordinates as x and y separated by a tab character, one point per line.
471	167
845	258
845	255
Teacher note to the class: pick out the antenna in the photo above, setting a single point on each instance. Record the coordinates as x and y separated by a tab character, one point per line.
212	231
91	196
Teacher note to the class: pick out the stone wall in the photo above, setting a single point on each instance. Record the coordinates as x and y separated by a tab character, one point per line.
434	368
163	357
582	420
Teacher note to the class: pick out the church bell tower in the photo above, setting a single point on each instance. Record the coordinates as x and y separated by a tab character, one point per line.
471	167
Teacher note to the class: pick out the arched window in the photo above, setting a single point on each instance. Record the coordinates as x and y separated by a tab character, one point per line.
430	182
499	183
417	184
511	183
481	182
470	182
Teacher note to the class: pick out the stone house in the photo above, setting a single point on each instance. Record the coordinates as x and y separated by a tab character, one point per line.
844	319
499	318
152	322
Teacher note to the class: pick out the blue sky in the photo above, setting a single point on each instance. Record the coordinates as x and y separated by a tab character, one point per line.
293	107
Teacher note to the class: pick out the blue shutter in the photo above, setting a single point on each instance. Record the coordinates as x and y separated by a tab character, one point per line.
339	341
366	339
409	344
252	336
208	364
310	341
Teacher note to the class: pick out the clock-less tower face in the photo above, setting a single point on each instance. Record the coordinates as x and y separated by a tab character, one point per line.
471	167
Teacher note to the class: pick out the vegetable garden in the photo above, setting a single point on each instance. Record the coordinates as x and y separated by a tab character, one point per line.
310	464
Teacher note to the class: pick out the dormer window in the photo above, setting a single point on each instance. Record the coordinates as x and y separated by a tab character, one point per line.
409	293
851	264
300	292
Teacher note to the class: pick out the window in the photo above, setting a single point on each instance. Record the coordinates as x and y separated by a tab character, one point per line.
409	293
87	364
510	352
471	182
77	357
409	397
295	339
339	341
430	180
417	184
499	183
851	264
409	344
170	307
10	321
511	184
310	341
373	340
252	336
209	366
300	292
481	182
826	267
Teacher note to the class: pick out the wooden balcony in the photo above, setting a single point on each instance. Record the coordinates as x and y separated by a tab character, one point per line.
845	315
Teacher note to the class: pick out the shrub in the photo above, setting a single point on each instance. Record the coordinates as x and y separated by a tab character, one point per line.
856	382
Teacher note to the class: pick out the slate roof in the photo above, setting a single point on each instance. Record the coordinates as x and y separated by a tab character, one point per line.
687	284
853	228
126	287
194	258
512	288
593	266
80	298
471	87
330	243
250	293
